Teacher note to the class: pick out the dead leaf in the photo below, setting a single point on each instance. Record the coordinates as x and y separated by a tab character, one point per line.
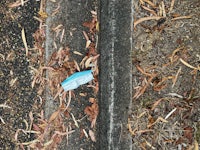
92	50
92	136
92	100
77	53
54	116
88	62
91	25
92	111
77	66
82	63
36	127
88	43
188	133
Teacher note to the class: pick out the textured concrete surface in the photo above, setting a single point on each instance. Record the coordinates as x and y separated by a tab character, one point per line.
72	14
115	45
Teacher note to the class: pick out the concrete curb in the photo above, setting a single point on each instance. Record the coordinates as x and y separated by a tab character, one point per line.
115	45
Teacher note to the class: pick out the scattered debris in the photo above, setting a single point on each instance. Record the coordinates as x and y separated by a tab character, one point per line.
64	75
165	75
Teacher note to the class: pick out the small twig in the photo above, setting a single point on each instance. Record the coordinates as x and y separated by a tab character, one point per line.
24	41
30	142
55	11
69	100
77	53
142	71
88	42
85	133
163	9
143	89
144	131
156	103
146	19
64	133
130	128
157	120
173	54
62	35
150	10
1	119
176	77
171	6
170	113
150	3
175	95
75	122
188	65
181	17
152	147
38	19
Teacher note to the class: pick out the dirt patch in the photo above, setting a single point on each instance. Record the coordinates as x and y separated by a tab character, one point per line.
166	61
